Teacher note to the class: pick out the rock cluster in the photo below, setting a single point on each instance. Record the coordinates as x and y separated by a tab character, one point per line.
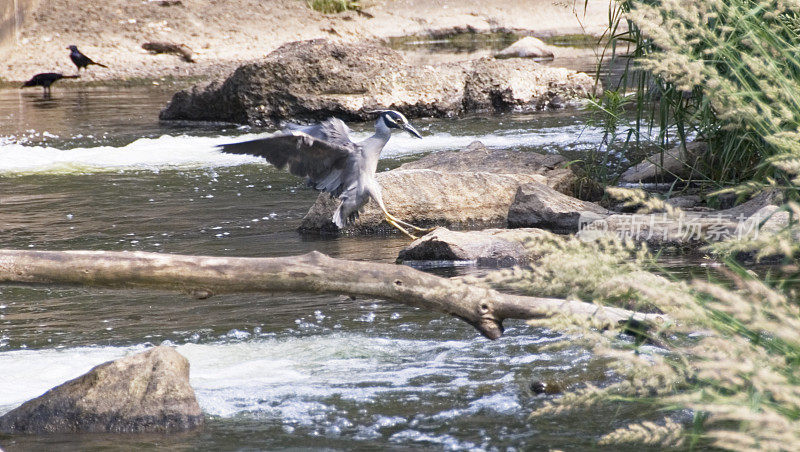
313	80
692	228
505	247
468	189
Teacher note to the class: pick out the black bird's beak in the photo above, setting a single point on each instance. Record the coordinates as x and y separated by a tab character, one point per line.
410	129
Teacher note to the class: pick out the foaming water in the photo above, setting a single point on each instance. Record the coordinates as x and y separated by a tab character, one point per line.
546	139
193	152
94	131
318	384
165	152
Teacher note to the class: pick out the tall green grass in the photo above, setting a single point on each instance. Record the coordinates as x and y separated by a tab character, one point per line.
727	72
726	370
723	373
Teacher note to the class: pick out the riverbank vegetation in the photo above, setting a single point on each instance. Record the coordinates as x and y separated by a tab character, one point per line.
725	371
333	6
725	72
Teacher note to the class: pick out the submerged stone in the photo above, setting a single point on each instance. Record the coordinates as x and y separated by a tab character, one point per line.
145	392
487	248
546	387
677	163
528	47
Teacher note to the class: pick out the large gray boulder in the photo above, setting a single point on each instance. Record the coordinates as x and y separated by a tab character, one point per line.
538	206
521	85
676	163
312	80
471	188
488	247
477	158
146	392
426	197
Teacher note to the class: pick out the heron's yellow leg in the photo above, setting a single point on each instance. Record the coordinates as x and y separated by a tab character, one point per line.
393	223
408	225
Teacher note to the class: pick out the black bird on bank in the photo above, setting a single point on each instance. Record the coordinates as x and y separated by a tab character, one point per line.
45	79
81	60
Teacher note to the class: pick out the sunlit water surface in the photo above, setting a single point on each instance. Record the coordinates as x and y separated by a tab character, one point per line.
94	169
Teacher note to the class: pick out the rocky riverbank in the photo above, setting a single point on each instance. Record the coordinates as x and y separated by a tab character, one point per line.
317	79
225	34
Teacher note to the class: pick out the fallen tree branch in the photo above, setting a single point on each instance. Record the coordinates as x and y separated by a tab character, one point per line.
203	276
181	50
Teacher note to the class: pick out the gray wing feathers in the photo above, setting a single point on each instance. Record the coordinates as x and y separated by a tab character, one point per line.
322	162
332	130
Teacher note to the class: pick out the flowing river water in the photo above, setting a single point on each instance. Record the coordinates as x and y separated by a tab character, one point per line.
92	168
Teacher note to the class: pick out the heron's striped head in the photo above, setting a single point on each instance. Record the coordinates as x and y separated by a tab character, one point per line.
395	120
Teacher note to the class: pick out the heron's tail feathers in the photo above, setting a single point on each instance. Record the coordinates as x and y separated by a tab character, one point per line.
342	218
338	219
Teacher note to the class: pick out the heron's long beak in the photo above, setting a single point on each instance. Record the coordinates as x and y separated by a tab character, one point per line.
410	129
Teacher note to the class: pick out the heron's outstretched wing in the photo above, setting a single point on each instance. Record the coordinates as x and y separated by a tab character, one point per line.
332	130
325	163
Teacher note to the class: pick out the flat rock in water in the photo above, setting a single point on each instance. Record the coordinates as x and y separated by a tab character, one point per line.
538	206
489	247
676	163
477	158
685	202
313	80
426	197
145	392
528	47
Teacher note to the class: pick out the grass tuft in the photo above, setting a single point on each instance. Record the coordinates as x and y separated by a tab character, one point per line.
333	6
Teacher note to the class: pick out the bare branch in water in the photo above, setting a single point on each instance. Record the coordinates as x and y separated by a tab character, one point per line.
203	276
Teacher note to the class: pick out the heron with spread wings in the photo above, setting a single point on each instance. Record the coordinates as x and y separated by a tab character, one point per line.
330	161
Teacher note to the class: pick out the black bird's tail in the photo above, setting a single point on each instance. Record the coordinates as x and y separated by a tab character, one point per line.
99	64
71	76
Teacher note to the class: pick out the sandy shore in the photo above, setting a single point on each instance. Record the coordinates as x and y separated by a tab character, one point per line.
225	33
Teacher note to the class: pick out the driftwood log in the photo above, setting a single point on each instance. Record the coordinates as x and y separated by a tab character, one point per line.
181	50
203	276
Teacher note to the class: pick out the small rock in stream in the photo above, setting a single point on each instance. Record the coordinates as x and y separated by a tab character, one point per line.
145	392
546	387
